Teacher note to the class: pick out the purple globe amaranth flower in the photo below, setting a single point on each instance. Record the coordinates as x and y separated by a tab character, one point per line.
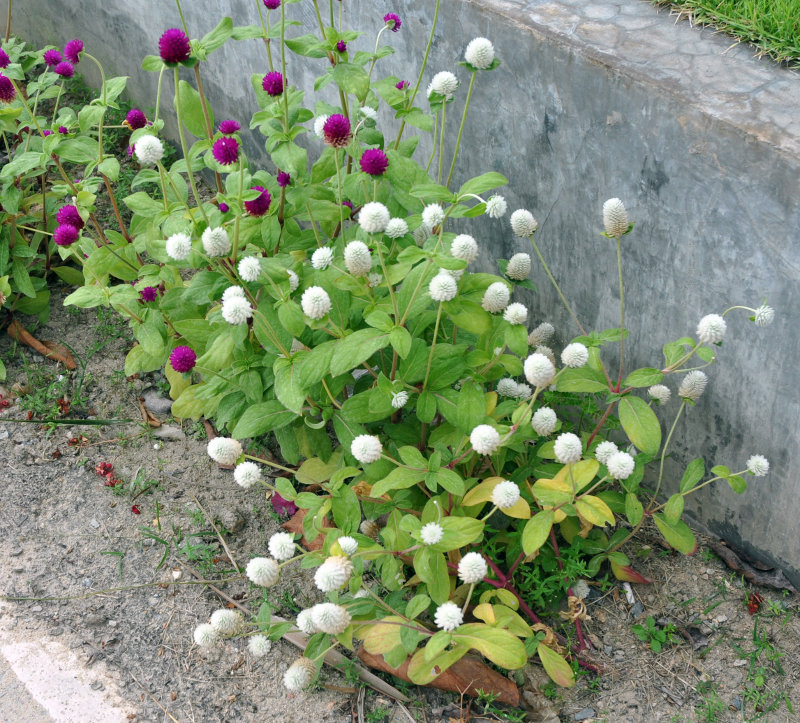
69	215
63	130
349	205
47	132
66	235
272	4
273	83
223	207
182	359
282	506
229	127
72	50
52	58
130	150
64	69
135	119
284	179
402	85
337	130
260	205
341	46
374	161
226	150
173	46
149	293
5	61
7	91
393	21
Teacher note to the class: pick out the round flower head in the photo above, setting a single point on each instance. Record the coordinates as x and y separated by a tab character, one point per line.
281	546
205	636
523	224
693	385
336	130
401	84
229	127
433	215
232	291
283	179
51	58
65	235
64	69
374	162
357	257
370	528
319	125
5	61
431	533
711	329
484	439
348	545
272	4
315	302
179	246
299	675
574	355
539	370
392	21
182	359
259	205
341	46
237	310
546	351
366	448
322	258
224	450
223	207
250	268
496	207
764	315
464	247
620	465
568	448
263	571
496	297
294	280
273	83
225	150
258	645
615	217
472	567
349	205
448	616
330	618
523	391
173	46
507	388
505	494
226	622
443	287
368	112
69	214
519	266
72	50
374	279
480	53
216	241
305	621
135	119
247	474
443	83
333	573
541	334
659	393
544	421
399	399
396	228
516	313
148	293
758	465
63	130
149	149
374	217
604	451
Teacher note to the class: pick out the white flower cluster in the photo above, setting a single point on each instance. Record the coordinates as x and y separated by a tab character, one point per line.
523	224
568	448
693	385
148	150
330	618
484	439
247	474
575	355
711	329
604	451
431	533
764	315
315	302
373	217
399	399
505	494
479	53
263	571
216	241
464	247
249	268
236	309
396	228
366	448
496	207
322	258
448	616
443	83
620	465
299	675
539	370
516	313
179	246
758	465
544	421
443	287
472	567
541	334
357	257
519	266
333	573
281	546
659	393
615	217
496	297
226	622
224	450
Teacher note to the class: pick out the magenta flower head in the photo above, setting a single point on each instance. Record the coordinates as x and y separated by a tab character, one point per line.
149	293
402	85
349	205
182	359
341	46
52	58
69	215
273	83
223	207
337	131
393	21
226	150
72	50
284	179
130	150
7	92
66	235
47	132
64	69
174	46
272	4
229	127
260	205
63	130
5	61
282	506
135	119
374	161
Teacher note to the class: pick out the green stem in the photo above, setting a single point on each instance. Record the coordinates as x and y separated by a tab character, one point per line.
435	142
185	150
265	28
385	276
461	128
339	188
664	454
206	118
556	286
621	315
441	143
183	21
239	212
8	22
285	93
433	346
100	123
158	91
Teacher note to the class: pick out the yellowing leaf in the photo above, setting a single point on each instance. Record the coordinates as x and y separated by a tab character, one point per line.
315	471
595	510
496	644
382	637
556	667
422	671
521	510
485	612
581	473
481	492
491	402
537	531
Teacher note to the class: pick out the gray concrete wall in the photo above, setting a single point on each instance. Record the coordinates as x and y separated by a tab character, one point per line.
594	100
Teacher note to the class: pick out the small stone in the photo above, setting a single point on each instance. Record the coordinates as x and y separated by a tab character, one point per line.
607	649
95	619
637	609
169	433
112	623
721	619
86	582
3	435
736	702
155	403
55	632
584	714
36	609
97	685
19	569
94	523
16	552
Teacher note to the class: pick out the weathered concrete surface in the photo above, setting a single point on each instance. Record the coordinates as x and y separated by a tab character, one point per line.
594	100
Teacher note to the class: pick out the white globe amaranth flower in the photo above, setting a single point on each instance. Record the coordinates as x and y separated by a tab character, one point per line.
693	385
322	258
368	112
294	280
711	329
374	279
259	645
484	439
505	494
516	313
659	393
568	448
179	246
250	268
205	635
148	150
523	224
433	215
431	533
236	310
216	241
443	287
232	291
370	528
444	83
519	266
523	391
620	465
224	450
305	621
544	421
396	228
764	315
464	247
604	450
496	207
299	675
247	474
399	399
507	388
333	573
472	567
319	125
539	370
348	545
542	334
315	302
263	571
496	297
479	53
330	618
574	355
547	351
448	616
373	217
281	546
758	465
615	217
226	622
357	258
366	448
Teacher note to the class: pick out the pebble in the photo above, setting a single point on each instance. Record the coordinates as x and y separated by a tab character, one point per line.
16	552
36	609
94	620
607	649
55	632
3	435
94	523
736	702
169	433
637	609
86	582
97	685
112	623
155	403
584	714
19	569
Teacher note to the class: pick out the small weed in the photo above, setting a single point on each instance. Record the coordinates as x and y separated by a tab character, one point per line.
118	554
711	706
378	714
657	637
487	699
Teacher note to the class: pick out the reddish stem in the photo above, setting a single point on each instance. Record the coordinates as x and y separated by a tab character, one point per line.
582	644
511	570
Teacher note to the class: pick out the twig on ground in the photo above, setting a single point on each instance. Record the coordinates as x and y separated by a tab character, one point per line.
211	522
154	699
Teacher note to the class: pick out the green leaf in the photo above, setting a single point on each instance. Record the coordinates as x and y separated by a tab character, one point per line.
291	317
23	163
536	531
555	666
640	424
287	387
594	510
89	116
581	380
451	481
516	338
496	644
351	79
346	510
471	407
218	36
261	418
109	168
431	566
673	509
192	110
426	407
423	671
417	605
738	484
468	315
152	63
398	479
643	378
634	510
357	348
77	150
482	183
458	532
21	279
695	471
401	341
678	535
86	297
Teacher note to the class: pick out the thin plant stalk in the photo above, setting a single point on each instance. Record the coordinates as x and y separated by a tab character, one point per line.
433	345
100	122
461	128
185	149
265	28
441	143
239	213
206	118
556	286
621	314
664	453
8	22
